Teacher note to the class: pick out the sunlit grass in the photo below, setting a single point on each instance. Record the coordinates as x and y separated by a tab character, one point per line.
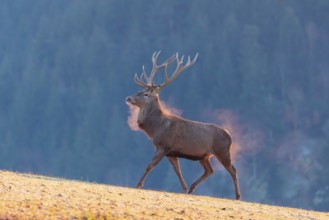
25	196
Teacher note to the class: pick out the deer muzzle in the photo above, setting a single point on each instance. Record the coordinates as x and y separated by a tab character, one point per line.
130	100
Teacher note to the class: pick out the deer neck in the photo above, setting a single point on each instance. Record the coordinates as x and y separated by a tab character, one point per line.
150	118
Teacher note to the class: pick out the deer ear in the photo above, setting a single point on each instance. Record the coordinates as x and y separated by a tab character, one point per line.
157	89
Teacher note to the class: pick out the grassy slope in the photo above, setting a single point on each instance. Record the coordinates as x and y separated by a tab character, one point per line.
25	196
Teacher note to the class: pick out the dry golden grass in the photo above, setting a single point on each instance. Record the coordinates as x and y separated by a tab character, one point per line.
25	196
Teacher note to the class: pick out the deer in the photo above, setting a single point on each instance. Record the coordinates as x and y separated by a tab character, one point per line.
175	137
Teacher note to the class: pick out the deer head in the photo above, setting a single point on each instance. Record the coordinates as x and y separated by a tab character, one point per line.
150	93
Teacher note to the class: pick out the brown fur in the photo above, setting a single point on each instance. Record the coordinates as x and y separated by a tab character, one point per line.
176	137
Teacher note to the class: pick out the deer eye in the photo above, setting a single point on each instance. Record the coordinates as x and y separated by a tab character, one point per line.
146	94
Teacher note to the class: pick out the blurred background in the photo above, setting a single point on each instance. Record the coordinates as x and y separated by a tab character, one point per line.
262	73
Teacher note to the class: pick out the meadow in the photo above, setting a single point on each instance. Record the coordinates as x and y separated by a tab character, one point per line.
29	196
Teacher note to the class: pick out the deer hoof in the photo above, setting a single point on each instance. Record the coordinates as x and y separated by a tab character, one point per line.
190	191
139	186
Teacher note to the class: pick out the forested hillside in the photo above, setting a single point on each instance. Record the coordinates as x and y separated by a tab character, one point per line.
262	73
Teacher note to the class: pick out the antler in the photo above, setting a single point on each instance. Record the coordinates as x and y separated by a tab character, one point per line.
180	68
150	80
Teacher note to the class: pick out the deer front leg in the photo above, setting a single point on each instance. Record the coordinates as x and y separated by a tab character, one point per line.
159	154
175	163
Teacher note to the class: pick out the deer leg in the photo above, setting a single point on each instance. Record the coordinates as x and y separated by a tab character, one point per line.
175	163
227	163
159	154
233	172
205	163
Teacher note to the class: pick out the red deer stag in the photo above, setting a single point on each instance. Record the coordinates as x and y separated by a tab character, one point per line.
176	137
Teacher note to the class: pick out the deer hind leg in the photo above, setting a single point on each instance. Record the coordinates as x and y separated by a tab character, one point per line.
227	163
233	172
205	163
159	154
175	163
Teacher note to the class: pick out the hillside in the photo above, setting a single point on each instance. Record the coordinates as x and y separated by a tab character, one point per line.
26	196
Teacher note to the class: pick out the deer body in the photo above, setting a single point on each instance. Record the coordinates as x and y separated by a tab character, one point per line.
175	137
